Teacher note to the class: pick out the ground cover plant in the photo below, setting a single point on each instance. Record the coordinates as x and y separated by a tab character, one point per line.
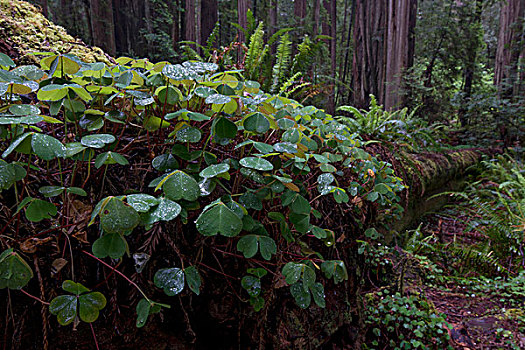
163	175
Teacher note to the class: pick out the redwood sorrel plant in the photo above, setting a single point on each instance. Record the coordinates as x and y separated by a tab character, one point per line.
183	150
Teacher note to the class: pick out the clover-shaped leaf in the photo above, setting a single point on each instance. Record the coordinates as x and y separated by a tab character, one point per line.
252	285
146	307
302	297
83	304
257	123
10	173
97	140
219	219
214	170
193	279
335	269
256	163
249	245
117	217
167	210
171	280
38	210
110	158
292	272
225	128
141	202
189	134
179	185
111	244
47	147
15	273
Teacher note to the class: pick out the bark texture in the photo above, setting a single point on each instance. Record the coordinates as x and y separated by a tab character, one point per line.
102	25
384	49
511	48
242	9
189	21
208	18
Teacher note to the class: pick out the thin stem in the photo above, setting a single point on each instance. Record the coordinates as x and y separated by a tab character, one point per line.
118	272
94	336
33	297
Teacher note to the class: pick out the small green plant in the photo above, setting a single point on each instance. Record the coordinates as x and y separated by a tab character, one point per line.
404	322
134	153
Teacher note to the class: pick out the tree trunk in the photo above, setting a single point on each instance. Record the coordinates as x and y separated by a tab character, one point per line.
272	22
331	29
510	48
208	19
299	10
317	14
173	7
102	25
189	21
400	48
242	9
384	49
470	64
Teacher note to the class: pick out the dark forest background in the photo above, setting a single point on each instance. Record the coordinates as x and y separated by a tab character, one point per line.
445	60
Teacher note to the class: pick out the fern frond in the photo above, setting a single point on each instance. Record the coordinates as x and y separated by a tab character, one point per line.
289	82
256	51
282	63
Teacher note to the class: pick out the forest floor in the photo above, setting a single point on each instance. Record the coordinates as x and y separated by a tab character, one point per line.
483	313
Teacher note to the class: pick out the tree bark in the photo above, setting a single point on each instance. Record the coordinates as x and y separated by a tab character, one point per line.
299	10
189	21
510	48
102	25
316	17
242	9
208	18
384	49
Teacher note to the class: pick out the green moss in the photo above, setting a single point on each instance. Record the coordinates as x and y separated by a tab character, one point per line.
26	30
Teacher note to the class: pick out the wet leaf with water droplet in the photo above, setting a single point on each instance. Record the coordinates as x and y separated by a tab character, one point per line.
193	279
180	185
15	273
302	297
171	280
219	219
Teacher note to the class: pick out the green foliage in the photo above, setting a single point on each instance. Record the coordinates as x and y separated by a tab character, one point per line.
399	126
82	305
227	160
14	271
404	322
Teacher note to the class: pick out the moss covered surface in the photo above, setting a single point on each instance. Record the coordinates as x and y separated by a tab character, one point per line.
25	30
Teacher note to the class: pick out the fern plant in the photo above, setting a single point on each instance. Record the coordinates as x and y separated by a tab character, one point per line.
282	62
256	53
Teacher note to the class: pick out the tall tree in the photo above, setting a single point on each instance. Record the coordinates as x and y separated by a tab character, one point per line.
300	10
384	49
511	47
102	25
189	21
208	18
242	10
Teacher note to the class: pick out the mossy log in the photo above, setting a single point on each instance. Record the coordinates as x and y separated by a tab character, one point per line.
427	174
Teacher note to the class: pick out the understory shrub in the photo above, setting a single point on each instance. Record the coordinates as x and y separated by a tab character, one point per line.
161	175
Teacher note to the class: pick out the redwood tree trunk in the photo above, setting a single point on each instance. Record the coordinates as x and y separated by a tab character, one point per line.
384	49
208	18
510	48
242	9
102	25
189	21
299	10
317	14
